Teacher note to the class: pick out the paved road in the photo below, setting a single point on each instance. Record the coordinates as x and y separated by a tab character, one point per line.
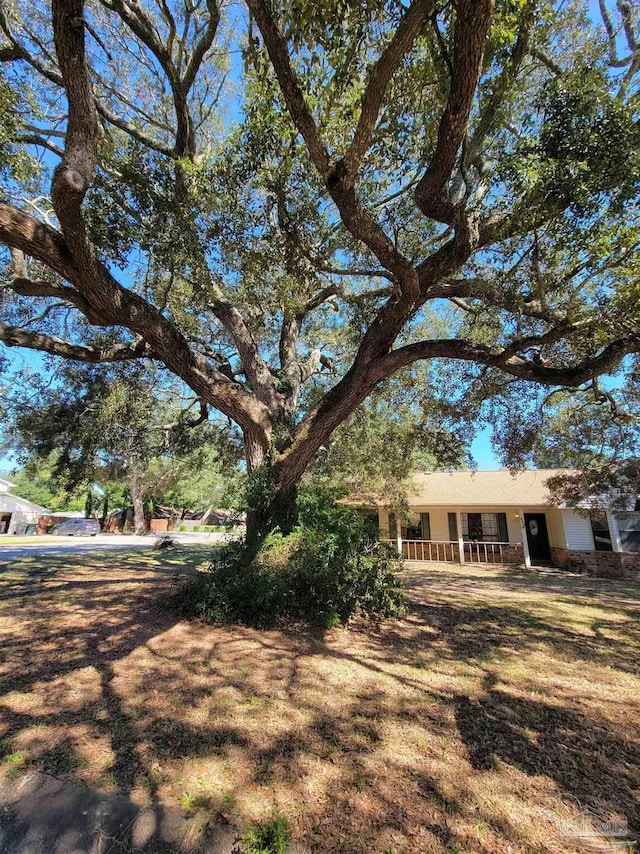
103	542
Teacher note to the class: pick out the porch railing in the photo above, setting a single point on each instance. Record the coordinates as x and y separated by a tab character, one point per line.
443	551
481	552
448	551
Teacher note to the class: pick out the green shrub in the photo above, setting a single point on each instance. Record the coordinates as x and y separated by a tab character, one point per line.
271	837
196	528
231	590
182	527
330	568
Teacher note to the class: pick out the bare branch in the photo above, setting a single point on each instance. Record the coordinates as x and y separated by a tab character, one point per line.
38	288
203	45
42	142
611	34
546	61
72	177
489	111
289	85
140	24
133	131
626	13
21	231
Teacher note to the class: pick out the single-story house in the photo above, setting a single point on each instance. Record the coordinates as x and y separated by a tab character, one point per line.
15	512
172	519
501	517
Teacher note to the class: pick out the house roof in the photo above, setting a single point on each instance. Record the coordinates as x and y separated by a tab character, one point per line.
13	503
477	488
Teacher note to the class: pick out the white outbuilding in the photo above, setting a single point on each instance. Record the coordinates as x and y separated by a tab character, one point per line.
15	512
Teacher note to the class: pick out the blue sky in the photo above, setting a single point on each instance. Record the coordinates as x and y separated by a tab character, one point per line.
483	452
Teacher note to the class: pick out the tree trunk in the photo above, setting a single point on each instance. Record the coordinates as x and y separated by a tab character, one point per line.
149	508
105	511
256	453
269	510
140	525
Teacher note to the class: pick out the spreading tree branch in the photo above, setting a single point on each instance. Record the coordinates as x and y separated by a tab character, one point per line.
473	18
379	78
14	336
356	219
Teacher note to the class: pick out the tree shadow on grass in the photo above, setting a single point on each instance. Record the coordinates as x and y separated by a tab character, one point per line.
588	758
307	716
45	814
476	633
65	627
561	584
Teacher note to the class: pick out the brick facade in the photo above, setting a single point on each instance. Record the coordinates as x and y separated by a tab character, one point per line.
513	555
625	565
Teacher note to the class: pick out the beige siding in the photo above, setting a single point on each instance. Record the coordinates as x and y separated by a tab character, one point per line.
439	519
557	537
578	528
514	526
439	522
383	520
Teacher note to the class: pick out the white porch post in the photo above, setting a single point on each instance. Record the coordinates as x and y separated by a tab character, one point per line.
460	539
616	543
525	542
399	536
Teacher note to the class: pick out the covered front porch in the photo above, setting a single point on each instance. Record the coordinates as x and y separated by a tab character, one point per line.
503	536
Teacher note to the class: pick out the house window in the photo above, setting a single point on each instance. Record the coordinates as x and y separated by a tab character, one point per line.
484	527
629	528
416	527
601	533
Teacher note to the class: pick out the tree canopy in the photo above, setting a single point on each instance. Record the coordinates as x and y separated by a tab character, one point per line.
286	203
115	426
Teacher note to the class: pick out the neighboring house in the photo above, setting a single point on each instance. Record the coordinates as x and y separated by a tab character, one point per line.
15	512
499	517
170	519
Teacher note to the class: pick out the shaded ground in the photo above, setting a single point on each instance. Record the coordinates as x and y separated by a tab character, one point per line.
489	719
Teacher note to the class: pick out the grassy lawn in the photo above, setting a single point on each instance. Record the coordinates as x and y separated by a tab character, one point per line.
483	721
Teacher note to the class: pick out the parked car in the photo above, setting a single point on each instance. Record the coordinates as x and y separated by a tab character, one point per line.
77	528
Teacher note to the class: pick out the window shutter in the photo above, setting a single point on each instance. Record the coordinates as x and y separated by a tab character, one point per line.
453	527
426	526
503	531
393	527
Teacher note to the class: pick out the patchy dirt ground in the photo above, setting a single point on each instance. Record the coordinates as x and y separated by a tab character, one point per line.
490	719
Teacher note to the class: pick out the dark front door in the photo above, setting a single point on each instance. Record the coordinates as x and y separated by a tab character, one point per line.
537	536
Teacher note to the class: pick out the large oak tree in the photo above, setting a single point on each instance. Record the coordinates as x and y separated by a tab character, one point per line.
287	203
